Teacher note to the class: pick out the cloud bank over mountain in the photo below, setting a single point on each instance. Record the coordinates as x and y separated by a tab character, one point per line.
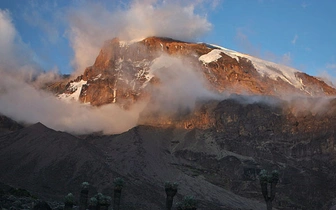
92	23
21	100
181	81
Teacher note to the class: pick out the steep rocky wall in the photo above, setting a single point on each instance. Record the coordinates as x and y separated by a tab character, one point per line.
8	125
249	137
215	154
120	73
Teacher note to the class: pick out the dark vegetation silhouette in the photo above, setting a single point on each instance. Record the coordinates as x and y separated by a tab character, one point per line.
102	202
42	205
118	185
99	202
268	184
171	190
69	201
84	195
188	203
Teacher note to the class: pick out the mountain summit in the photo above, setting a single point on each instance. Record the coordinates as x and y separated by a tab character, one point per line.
215	151
124	72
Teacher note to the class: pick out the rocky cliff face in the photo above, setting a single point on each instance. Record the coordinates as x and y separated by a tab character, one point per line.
8	125
214	151
122	72
300	146
218	163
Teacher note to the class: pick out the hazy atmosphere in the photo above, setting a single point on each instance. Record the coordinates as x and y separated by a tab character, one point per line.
298	33
42	39
168	104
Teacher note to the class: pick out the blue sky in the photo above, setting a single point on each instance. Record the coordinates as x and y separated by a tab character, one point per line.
296	33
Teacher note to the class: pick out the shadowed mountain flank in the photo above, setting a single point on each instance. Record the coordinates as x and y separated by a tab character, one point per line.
201	115
218	164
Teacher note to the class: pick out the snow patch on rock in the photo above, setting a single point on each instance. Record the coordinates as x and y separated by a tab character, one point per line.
97	77
76	89
212	56
265	68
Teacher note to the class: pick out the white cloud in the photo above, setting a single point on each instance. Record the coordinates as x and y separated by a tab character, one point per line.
181	85
91	24
21	101
15	56
296	37
327	77
7	32
286	58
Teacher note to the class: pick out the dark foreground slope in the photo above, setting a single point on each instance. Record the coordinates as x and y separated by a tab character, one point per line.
8	125
51	163
219	165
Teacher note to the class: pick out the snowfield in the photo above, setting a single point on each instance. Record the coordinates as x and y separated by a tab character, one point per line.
265	68
212	56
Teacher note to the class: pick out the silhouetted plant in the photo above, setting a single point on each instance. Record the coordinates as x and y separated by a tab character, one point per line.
171	190
99	202
265	179
19	192
188	203
41	205
93	203
84	195
99	198
69	201
105	202
118	185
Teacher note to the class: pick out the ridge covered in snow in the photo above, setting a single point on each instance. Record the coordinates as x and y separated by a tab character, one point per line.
124	69
265	68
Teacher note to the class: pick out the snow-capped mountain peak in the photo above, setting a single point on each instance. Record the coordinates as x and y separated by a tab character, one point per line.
122	72
265	68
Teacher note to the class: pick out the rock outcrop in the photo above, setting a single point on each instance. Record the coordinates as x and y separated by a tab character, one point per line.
121	73
214	151
218	163
8	125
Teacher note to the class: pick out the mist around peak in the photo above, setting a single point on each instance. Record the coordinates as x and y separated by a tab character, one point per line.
182	85
92	23
23	100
